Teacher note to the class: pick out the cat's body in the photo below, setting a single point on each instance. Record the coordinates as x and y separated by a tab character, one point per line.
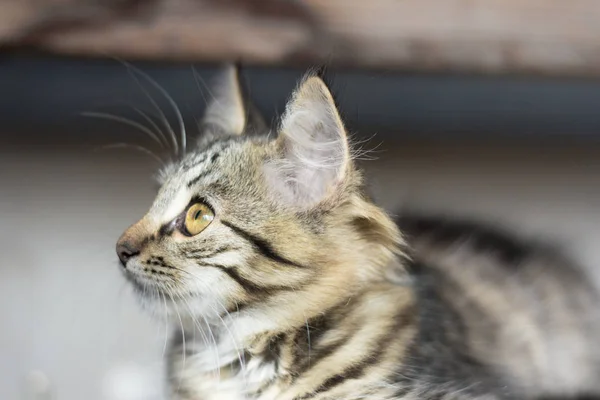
481	315
286	282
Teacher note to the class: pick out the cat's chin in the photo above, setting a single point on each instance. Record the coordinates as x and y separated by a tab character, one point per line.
160	306
177	301
175	308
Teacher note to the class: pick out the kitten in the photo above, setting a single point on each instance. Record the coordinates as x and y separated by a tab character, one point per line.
284	281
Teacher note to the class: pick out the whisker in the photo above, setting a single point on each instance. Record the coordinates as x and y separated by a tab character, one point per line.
125	121
156	295
237	346
148	118
196	322
162	115
212	337
204	336
307	338
181	325
131	69
198	79
133	147
171	102
166	323
145	286
216	347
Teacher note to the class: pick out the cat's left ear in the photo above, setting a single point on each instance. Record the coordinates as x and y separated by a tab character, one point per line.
314	150
229	109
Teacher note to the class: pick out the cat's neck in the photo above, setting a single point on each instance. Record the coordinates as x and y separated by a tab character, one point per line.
253	352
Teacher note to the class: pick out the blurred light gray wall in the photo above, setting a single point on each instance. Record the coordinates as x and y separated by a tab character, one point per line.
67	312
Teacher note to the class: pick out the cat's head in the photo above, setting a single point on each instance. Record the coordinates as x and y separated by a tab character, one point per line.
259	221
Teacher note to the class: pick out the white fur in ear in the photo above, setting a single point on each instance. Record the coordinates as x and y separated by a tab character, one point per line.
314	147
225	107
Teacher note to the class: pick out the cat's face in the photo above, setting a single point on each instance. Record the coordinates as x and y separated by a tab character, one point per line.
247	219
186	247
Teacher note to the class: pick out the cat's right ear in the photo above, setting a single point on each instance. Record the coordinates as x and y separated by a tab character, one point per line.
314	154
228	110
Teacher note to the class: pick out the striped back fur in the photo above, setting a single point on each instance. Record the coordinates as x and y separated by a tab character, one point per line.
299	287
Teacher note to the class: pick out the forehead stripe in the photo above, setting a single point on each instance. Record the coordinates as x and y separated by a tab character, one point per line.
213	149
206	171
197	178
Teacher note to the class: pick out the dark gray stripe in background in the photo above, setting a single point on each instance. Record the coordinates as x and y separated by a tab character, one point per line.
41	99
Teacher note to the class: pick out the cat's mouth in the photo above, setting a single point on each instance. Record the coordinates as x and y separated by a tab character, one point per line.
144	284
149	286
133	280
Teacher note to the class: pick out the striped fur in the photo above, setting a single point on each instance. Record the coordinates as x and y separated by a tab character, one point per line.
302	288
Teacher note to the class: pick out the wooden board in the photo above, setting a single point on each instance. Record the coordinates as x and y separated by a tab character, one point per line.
555	37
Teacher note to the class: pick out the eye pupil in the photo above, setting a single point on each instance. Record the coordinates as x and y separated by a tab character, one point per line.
198	214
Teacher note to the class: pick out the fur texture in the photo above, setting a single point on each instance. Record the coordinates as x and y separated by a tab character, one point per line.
302	288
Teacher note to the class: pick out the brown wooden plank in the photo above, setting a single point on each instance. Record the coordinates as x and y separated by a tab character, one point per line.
490	36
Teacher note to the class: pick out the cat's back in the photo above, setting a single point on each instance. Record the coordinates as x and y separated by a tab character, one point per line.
517	313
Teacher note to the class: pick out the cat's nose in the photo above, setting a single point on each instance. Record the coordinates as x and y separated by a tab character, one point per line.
132	241
126	250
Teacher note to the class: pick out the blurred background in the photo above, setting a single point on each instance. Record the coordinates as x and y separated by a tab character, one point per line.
483	108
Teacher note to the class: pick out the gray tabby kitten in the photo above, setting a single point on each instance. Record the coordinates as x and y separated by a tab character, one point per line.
283	280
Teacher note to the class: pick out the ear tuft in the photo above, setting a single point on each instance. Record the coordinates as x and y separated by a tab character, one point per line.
314	155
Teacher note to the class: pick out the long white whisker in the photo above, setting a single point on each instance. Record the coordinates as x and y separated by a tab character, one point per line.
205	338
149	118
210	332
156	293
194	320
166	324
171	102
235	343
308	338
144	297
134	147
166	287
161	114
198	79
125	121
180	322
159	131
239	353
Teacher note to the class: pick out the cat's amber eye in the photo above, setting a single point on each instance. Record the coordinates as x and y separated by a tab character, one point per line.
197	218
